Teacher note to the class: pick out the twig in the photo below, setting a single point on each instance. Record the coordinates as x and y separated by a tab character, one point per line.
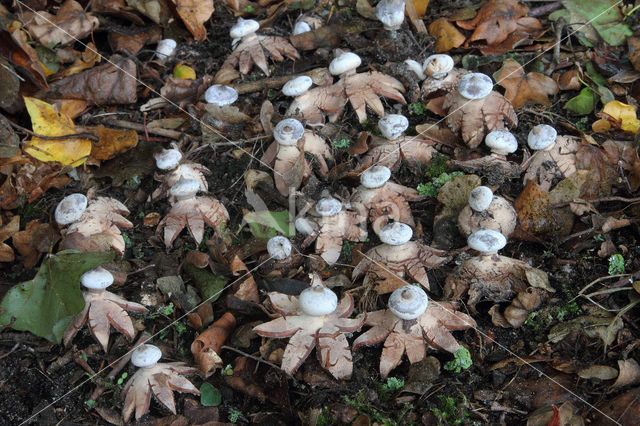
255	358
597	200
82	135
10	351
168	133
543	10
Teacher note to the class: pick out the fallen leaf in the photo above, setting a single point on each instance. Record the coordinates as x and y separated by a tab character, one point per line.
523	88
131	44
87	60
153	9
47	122
111	142
70	24
629	373
624	115
246	290
421	7
569	80
14	45
495	21
9	86
633	44
184	71
194	14
592	18
117	8
107	84
135	163
583	103
623	408
447	35
46	304
364	9
9	141
6	232
36	239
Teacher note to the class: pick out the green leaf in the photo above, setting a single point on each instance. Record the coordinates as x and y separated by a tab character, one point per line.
46	304
582	104
210	396
604	17
461	361
616	264
266	224
594	75
210	286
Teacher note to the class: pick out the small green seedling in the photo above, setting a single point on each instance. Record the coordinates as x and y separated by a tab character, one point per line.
461	361
616	264
417	108
226	371
343	143
386	390
234	415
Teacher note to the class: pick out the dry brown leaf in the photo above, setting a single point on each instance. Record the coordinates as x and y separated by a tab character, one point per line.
633	44
447	35
522	88
37	239
111	142
206	347
194	14
623	408
87	60
570	80
117	8
131	43
7	231
246	290
495	21
14	45
29	176
106	84
601	372
70	24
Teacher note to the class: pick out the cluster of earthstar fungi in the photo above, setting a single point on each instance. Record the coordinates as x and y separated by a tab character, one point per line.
316	318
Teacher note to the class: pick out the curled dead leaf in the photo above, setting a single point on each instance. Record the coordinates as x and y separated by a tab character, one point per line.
523	88
206	347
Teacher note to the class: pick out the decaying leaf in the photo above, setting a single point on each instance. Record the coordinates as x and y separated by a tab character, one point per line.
194	14
206	347
629	373
497	19
623	115
602	325
111	142
523	88
108	84
71	23
432	328
36	239
8	229
326	332
15	46
246	289
447	35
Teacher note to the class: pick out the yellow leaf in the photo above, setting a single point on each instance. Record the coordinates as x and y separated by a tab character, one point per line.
47	122
421	7
601	125
447	36
624	114
184	71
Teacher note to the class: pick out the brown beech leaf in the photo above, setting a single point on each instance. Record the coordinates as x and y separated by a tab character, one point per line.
103	85
87	60
624	408
36	239
131	44
206	347
523	88
447	35
111	142
194	14
629	373
495	21
7	231
14	45
117	8
246	290
70	24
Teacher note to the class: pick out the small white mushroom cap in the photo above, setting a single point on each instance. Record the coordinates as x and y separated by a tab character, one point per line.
279	247
318	300
487	241
375	176
475	86
301	27
304	226
220	95
168	159
395	233
328	206
244	27
541	136
480	198
408	302
347	61
146	356
438	66
501	142
393	125
166	48
297	86
288	132
390	13
96	279
416	68
70	209
184	188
